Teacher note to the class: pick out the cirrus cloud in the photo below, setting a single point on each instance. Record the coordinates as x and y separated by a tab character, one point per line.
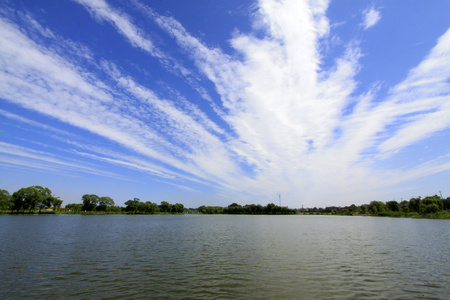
276	119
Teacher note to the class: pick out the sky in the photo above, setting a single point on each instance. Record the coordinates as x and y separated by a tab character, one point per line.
298	103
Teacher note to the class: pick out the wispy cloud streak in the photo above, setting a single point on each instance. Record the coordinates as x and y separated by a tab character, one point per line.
43	81
291	125
48	162
290	115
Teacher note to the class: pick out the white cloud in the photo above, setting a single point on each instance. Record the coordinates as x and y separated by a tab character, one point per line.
48	162
286	110
51	85
371	17
426	94
41	126
102	11
292	131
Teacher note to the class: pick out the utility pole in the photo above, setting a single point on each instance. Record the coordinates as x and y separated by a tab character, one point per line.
440	194
279	198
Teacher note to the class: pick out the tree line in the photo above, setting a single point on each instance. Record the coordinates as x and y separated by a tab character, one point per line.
433	206
248	209
37	198
94	203
29	199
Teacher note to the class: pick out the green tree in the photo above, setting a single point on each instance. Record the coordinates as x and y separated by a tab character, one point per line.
270	208
74	207
446	203
90	202
31	197
149	207
432	204
364	209
165	206
114	209
178	208
392	206
415	204
49	200
19	199
202	209
56	203
431	208
404	206
353	208
433	200
253	209
210	209
233	208
154	208
133	206
376	207
6	202
104	203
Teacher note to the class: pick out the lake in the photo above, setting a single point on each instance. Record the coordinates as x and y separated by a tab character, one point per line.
223	256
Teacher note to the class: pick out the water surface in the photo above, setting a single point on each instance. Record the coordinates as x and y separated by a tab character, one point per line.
223	256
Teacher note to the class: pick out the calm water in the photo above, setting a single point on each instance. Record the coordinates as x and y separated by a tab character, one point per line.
221	256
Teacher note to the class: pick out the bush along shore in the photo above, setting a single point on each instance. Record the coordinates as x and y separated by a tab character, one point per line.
38	199
433	207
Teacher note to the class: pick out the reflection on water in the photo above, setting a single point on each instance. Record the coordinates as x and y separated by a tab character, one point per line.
223	256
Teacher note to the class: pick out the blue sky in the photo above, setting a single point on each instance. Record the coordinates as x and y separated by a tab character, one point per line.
214	102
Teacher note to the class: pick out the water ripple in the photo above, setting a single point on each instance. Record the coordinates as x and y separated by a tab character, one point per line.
222	257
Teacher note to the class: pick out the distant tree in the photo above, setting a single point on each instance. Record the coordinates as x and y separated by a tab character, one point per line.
431	208
133	206
210	209
392	206
165	206
270	208
364	209
376	207
415	204
313	210
233	208
31	197
141	207
49	200
104	203
149	207
6	202
56	203
178	208
202	209
433	200
287	211
253	209
90	202
404	206
446	203
432	204
28	199
114	209
154	208
353	208
74	207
